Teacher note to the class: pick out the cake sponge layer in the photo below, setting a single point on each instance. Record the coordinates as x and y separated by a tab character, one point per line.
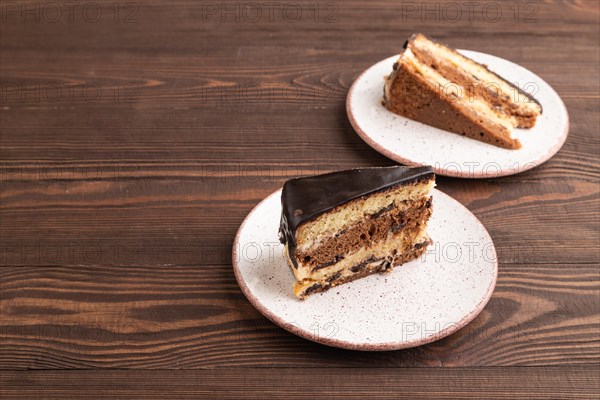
340	218
383	258
408	215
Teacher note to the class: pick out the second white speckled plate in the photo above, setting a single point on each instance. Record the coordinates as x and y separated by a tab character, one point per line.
413	143
417	303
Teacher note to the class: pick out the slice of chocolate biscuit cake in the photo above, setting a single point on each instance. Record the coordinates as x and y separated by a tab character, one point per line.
436	85
346	225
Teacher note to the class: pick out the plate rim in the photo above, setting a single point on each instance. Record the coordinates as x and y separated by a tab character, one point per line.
450	172
344	344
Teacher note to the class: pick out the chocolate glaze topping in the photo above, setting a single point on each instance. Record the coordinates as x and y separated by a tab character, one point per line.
303	199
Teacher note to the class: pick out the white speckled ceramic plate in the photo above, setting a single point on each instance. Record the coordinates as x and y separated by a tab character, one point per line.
414	143
419	302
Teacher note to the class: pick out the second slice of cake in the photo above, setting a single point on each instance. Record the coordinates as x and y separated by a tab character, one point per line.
345	225
436	85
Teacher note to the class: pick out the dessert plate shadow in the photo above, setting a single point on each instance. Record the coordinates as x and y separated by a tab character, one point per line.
417	303
413	143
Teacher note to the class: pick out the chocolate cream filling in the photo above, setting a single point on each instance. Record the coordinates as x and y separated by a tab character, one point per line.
406	217
366	267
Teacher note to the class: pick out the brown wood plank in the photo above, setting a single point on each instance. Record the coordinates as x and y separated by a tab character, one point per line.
335	383
177	143
200	98
193	221
197	317
188	21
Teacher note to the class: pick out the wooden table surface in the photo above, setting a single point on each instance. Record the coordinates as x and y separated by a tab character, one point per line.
136	136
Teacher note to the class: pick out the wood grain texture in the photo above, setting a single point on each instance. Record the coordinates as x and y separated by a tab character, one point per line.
191	317
193	221
335	383
132	147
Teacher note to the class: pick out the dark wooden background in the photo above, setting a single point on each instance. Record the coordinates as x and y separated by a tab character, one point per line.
135	141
